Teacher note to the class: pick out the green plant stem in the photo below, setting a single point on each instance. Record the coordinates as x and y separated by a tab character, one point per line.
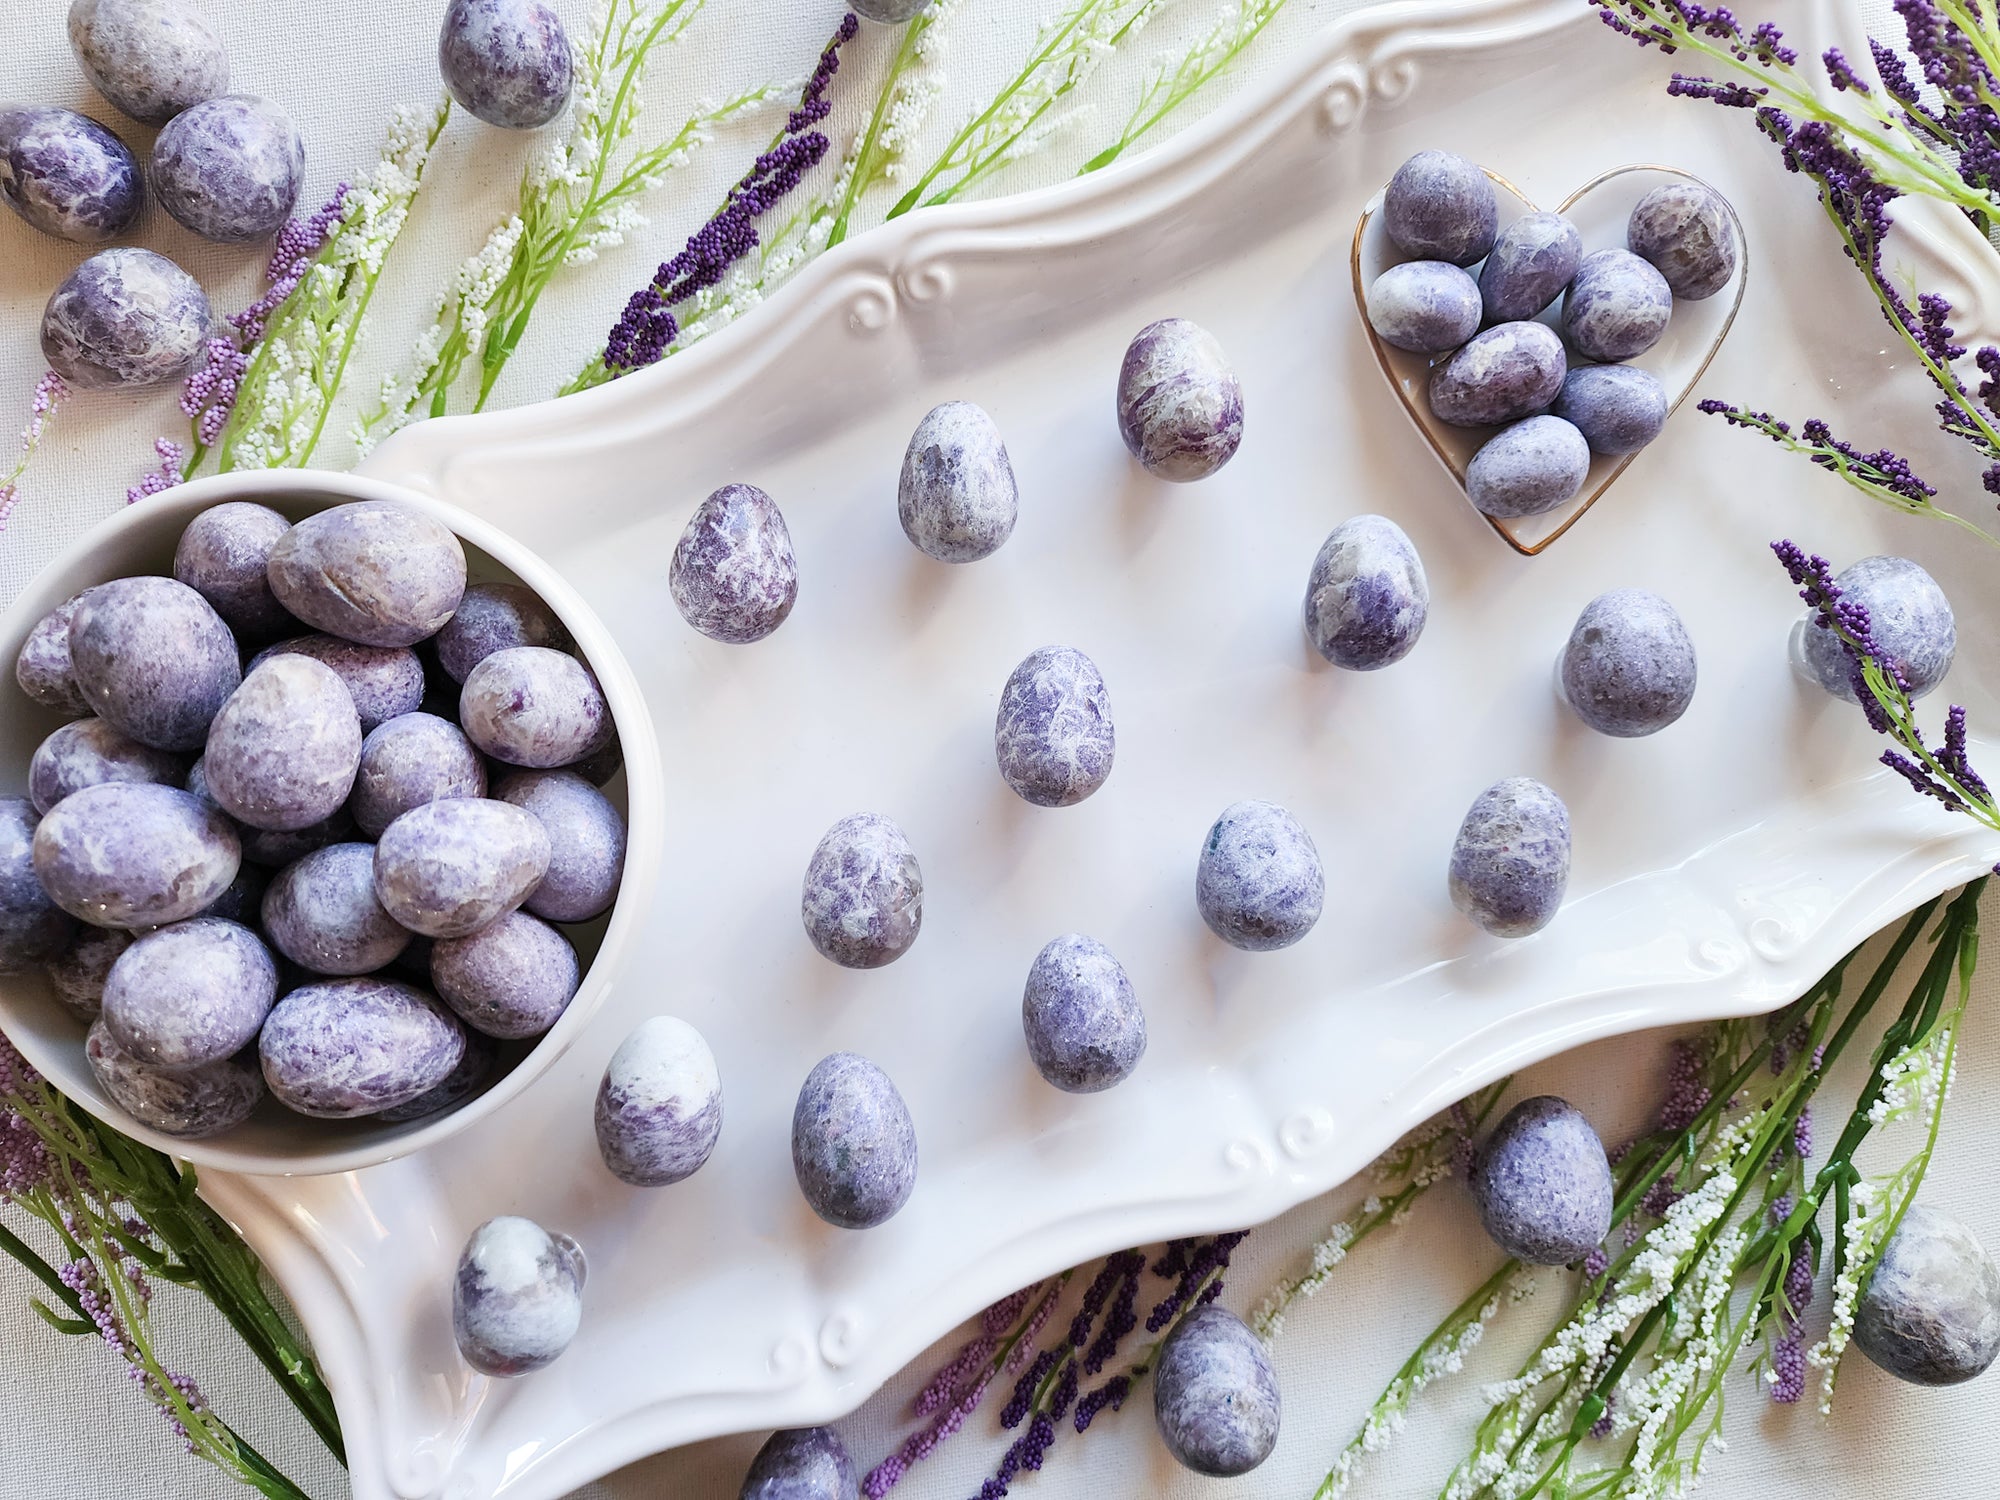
863	175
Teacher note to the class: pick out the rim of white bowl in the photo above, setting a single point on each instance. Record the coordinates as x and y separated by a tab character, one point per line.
645	811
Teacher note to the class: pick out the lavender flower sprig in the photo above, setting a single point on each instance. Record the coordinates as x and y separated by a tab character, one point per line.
50	393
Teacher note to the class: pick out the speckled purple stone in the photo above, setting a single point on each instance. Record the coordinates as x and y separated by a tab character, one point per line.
1180	406
32	927
1930	1313
67	175
854	1147
1510	862
888	12
586	840
190	993
863	898
463	1083
153	659
229	168
1367	598
1628	668
1053	735
43	668
322	914
533	706
191	1104
283	752
242	900
1618	408
1531	262
1424	306
801	1463
1688	234
1528	468
733	575
1543	1184
447	869
1912	619
125	317
1439	206
1617	306
1501	375
276	848
347	1047
511	979
1215	1394
383	681
370	571
77	974
1260	884
1083	1023
507	61
85	752
659	1106
131	854
956	497
150	58
491	617
223	556
408	761
517	1296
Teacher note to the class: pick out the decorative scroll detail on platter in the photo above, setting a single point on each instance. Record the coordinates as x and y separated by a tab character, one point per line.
1352	87
1306	1133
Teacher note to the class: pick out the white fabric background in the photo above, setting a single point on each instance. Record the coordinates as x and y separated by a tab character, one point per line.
72	1427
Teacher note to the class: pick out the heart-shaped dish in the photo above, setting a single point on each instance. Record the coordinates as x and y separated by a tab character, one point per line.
1599	209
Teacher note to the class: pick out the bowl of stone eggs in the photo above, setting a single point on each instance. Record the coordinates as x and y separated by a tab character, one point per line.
327	813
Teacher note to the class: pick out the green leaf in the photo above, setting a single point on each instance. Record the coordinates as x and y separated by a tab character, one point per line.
60	1322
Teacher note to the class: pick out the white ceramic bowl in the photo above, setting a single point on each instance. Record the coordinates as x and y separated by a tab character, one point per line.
274	1140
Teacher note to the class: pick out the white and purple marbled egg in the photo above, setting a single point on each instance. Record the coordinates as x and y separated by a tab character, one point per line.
1053	735
276	848
242	900
223	555
507	61
85	752
889	12
461	1084
863	897
1618	408
956	497
189	1104
346	1047
517	1296
1510	862
150	58
733	575
383	681
512	979
1930	1312
659	1106
1688	234
1528	468
1082	1019
586	840
407	761
132	854
190	993
447	869
1911	619
33	928
42	667
1259	884
1215	1394
1617	306
153	659
1508	372
1180	405
321	913
77	974
229	168
532	706
1424	306
1439	206
283	752
1543	1184
1367	598
370	571
1628	668
854	1146
125	317
801	1463
492	617
1531	262
67	175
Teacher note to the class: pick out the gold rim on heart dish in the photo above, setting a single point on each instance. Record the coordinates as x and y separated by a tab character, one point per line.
1385	357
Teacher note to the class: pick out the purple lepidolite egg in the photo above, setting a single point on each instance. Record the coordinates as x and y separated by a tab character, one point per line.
85	752
230	168
1510	862
889	12
1531	262
242	900
1617	306
1053	735
187	1103
1424	306
1930	1313
1911	620
733	576
801	1463
507	61
1628	668
125	317
1260	884
1215	1394
151	58
531	706
586	840
517	1297
1543	1184
1083	1023
1439	206
492	617
511	979
1688	234
1180	406
854	1147
370	571
77	974
153	660
132	854
224	555
461	1084
1506	373
1367	599
863	899
957	498
322	914
408	761
1618	408
383	681
283	752
1528	468
276	848
43	667
346	1047
33	928
659	1107
446	869
67	175
190	993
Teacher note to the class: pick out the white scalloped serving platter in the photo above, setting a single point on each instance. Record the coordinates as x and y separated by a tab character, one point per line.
1719	866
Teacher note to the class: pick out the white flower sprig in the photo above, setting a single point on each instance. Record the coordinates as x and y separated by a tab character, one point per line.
1177	78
